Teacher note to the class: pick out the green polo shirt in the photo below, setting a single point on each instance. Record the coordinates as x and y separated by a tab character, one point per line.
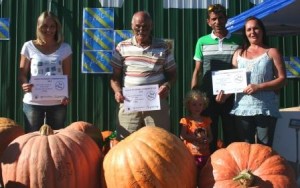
215	54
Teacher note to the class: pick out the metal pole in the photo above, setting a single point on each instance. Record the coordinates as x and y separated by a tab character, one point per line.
297	154
49	5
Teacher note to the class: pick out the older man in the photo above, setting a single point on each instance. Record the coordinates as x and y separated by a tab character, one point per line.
142	60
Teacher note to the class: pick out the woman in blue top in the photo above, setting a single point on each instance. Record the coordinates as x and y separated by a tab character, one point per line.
256	109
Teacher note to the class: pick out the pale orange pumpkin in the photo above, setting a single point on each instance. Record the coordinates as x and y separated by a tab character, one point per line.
247	165
150	157
9	130
89	129
52	159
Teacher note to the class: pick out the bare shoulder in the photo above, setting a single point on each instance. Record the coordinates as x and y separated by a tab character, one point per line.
274	52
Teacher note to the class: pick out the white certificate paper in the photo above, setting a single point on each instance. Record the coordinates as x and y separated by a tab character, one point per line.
49	87
141	98
230	81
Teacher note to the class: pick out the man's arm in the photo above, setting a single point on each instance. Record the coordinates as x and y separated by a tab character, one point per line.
170	79
196	74
115	83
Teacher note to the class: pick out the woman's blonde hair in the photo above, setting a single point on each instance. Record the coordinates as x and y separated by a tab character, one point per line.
195	95
41	18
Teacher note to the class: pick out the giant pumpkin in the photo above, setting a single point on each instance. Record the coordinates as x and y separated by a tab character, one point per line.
247	165
89	129
9	130
52	159
150	157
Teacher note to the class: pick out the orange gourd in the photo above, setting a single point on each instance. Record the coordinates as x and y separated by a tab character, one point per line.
109	141
89	129
247	165
52	159
9	130
150	157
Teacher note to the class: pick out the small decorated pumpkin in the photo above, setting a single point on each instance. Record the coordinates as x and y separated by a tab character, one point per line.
109	141
247	165
150	157
9	130
89	129
52	159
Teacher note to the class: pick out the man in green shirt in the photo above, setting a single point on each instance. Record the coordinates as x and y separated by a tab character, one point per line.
214	52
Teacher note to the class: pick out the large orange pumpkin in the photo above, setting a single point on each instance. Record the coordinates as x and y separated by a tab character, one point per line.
63	158
9	130
89	129
250	165
150	157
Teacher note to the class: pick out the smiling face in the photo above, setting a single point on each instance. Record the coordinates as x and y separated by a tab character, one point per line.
253	32
48	28
142	26
217	21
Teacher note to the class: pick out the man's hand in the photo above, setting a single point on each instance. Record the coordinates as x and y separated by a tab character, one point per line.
119	97
163	91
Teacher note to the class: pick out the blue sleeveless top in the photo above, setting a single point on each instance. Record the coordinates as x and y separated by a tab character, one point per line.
259	70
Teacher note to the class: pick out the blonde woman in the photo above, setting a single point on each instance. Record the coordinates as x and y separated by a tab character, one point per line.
47	55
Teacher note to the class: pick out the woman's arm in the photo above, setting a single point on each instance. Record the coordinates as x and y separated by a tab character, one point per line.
24	70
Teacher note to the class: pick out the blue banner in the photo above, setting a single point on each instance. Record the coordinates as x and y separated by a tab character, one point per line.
4	29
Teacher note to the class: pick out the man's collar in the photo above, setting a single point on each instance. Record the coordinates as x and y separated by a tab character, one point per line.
215	37
134	42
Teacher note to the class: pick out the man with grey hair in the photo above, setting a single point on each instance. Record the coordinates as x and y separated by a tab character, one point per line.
142	60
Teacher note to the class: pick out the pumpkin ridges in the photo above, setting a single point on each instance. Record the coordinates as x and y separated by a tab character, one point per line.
161	144
39	170
240	157
224	160
258	155
67	167
93	131
262	161
145	164
83	153
154	154
83	142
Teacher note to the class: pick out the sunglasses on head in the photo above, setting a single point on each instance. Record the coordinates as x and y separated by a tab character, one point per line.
216	8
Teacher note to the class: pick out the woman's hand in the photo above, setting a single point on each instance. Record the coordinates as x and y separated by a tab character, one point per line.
251	88
27	87
65	101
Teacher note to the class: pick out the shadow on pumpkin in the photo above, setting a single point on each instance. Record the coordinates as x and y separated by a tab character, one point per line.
12	184
262	183
11	150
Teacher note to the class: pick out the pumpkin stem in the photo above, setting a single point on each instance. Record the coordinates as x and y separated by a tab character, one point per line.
245	178
46	130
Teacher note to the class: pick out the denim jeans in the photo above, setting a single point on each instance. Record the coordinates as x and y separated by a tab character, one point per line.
260	125
34	116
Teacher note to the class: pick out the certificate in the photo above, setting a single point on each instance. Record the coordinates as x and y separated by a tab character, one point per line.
230	81
141	98
49	87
